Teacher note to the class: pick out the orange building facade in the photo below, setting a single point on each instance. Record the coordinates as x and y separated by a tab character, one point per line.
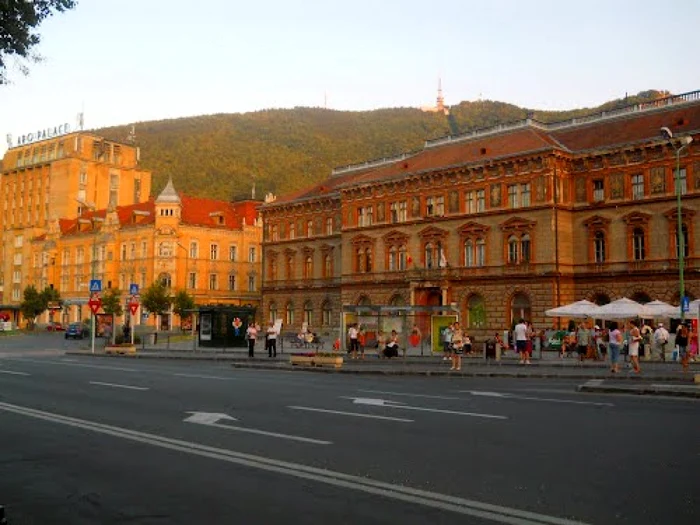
503	222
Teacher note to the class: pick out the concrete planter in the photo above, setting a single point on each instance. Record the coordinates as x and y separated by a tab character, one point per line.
315	360
125	349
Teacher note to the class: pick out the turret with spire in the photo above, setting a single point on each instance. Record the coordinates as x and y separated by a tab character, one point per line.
168	204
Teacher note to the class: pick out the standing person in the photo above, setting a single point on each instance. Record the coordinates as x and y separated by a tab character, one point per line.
354	343
583	340
457	342
271	340
520	333
682	344
251	333
615	344
692	343
647	332
381	343
447	342
633	348
661	338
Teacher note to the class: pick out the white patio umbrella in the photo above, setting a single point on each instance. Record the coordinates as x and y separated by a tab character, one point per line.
691	314
662	310
577	310
624	309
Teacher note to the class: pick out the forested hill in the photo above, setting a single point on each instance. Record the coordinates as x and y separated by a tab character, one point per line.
283	150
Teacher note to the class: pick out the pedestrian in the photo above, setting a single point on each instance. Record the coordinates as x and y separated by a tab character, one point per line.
661	339
583	340
633	349
682	344
520	333
457	346
647	332
381	343
392	346
251	334
126	332
447	342
615	344
271	340
354	343
692	343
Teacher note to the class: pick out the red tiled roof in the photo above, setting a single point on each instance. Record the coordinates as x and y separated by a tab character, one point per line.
327	186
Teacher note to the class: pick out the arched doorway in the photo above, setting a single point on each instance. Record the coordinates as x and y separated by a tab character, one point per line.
601	299
433	298
520	308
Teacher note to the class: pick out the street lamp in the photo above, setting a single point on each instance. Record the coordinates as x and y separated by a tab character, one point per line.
678	146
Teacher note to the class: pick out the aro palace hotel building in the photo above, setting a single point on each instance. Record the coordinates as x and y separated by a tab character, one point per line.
503	223
78	207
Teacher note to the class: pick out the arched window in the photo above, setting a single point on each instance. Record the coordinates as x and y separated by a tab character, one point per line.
326	313
513	250
393	256
368	259
476	312
397	300
308	310
519	308
165	249
429	255
327	266
308	267
290	267
165	279
468	253
641	297
289	314
273	312
638	249
599	246
403	257
480	252
525	248
273	269
359	259
364	301
684	240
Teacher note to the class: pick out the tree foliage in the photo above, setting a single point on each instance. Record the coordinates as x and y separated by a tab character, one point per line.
35	303
284	150
156	299
182	302
19	20
112	302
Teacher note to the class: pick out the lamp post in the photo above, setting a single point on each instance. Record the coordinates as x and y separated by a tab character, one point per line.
678	146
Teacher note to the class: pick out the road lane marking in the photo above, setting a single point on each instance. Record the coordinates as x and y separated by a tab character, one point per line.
395	404
259	432
479	509
201	376
115	385
503	395
69	360
407	394
80	365
12	372
352	414
207	418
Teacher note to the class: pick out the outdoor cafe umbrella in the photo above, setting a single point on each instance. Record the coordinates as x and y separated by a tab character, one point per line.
692	312
624	309
577	310
662	310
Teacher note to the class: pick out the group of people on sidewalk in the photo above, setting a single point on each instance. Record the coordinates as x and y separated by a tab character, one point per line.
455	342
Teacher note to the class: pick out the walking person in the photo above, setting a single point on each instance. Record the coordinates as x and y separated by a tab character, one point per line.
251	334
615	344
633	348
583	340
661	339
457	343
447	342
682	344
354	343
520	333
271	340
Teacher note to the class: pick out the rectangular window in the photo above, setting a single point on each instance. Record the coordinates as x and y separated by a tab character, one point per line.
251	283
213	281
192	281
429	206
470	202
480	200
329	225
598	190
394	212
144	249
251	254
213	252
194	250
231	282
310	227
123	252
525	194
403	211
365	216
681	178
232	253
638	186
292	230
512	196
440	205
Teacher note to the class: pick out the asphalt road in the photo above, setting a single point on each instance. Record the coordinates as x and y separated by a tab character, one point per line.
115	441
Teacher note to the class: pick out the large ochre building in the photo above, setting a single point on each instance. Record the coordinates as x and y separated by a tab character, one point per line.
504	222
78	207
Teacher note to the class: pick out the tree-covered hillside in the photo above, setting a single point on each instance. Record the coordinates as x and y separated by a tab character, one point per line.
282	150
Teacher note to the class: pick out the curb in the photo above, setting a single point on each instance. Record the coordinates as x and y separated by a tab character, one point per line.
668	390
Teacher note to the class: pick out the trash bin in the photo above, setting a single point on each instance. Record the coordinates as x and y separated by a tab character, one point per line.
490	349
153	338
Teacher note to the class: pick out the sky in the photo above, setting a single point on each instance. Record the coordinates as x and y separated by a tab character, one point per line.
127	61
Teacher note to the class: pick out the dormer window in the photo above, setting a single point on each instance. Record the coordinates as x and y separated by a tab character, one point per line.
218	218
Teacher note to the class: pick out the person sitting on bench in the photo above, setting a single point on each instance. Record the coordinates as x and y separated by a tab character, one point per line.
392	346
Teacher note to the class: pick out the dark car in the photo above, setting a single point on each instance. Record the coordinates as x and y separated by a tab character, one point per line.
76	331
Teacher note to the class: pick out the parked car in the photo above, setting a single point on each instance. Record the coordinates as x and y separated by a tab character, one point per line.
55	327
76	331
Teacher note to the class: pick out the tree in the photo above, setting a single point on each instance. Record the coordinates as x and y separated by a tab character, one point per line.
182	302
18	22
51	295
33	304
112	305
156	299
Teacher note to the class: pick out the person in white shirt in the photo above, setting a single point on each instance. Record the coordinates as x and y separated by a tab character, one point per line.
354	343
271	340
520	333
252	334
661	338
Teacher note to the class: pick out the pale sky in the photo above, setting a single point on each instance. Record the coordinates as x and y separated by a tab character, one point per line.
125	61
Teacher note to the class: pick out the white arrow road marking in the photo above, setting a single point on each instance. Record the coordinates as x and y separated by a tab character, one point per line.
529	398
207	418
115	385
210	420
394	404
11	372
355	414
348	482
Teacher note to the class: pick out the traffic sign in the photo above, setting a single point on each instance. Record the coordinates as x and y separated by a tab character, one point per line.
134	304
685	304
133	289
95	303
95	285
